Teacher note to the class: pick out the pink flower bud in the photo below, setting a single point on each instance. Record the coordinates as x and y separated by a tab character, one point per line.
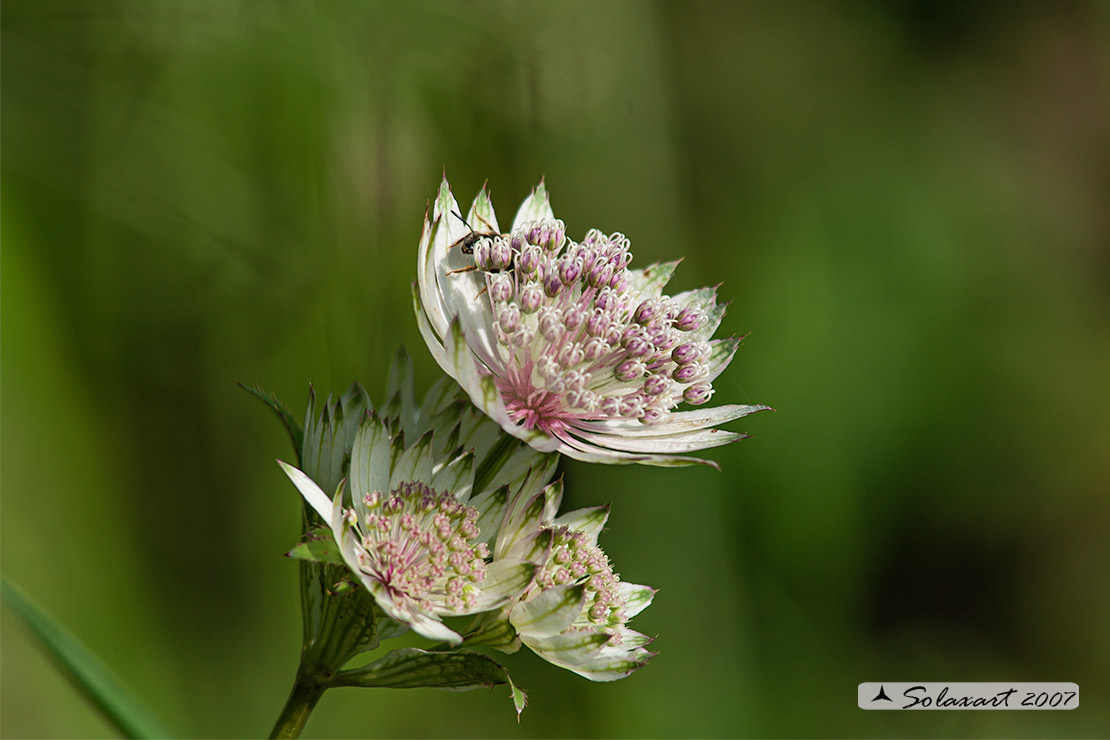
569	270
571	355
655	384
509	318
688	373
684	354
629	370
595	348
637	347
698	393
646	312
574	317
500	256
605	299
482	255
531	297
690	319
500	288
552	286
632	406
551	325
597	323
528	260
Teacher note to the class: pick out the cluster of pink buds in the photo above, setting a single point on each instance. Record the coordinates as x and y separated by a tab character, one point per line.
415	541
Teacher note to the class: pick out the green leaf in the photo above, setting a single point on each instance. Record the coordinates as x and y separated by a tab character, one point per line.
91	677
318	545
296	435
411	668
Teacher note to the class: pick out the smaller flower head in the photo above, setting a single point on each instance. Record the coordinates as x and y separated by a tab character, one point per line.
575	613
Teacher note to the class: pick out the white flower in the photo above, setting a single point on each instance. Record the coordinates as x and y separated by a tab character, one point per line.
575	614
565	346
408	524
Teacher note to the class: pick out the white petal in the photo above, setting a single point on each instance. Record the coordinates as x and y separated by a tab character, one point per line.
581	450
721	353
714	316
589	522
553	499
316	498
522	463
613	663
491	508
703	298
426	277
649	281
630	638
535	207
371	460
568	649
575	448
535	548
483	391
428	626
636	598
415	464
428	332
481	216
505	580
522	518
457	477
671	444
675	422
551	612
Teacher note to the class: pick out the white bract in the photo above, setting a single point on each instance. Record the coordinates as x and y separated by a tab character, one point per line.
407	522
565	346
575	613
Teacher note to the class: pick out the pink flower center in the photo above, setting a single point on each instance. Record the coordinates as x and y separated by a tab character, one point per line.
533	408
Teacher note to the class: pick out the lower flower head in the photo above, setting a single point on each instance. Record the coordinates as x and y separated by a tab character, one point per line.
408	522
576	612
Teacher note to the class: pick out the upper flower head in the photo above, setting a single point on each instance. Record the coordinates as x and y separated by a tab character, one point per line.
564	345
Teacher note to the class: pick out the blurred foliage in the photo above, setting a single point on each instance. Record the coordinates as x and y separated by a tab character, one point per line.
906	201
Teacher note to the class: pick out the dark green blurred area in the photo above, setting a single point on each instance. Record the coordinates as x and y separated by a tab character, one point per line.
907	203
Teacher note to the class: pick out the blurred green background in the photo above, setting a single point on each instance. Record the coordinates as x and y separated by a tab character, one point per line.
906	201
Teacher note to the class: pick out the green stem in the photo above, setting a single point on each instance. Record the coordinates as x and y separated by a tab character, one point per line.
337	627
302	700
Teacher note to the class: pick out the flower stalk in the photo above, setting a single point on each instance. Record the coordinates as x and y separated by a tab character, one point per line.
302	700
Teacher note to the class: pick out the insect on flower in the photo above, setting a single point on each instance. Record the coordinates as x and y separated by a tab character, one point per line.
492	252
466	243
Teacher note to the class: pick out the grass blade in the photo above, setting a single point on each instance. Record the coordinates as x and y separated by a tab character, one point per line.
91	677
